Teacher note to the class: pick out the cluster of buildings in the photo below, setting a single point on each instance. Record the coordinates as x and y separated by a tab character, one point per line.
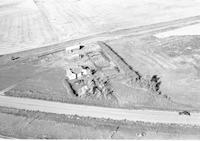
77	72
84	78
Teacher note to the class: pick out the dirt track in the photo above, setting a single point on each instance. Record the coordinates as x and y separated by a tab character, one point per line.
100	112
135	31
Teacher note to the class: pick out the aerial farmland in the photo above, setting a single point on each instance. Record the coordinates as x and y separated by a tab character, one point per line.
27	24
99	69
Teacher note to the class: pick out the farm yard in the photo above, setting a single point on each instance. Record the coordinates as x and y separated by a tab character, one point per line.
43	78
105	69
27	24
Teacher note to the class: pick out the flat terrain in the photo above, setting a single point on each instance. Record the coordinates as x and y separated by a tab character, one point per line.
27	24
42	77
101	112
36	125
22	26
187	30
175	59
158	49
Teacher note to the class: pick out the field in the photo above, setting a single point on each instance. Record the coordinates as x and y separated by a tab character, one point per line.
174	59
22	26
188	30
43	78
35	125
168	51
27	24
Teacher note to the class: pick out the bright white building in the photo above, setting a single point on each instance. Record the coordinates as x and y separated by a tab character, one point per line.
71	49
70	75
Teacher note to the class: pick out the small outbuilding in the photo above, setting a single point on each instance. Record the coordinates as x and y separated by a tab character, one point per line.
71	49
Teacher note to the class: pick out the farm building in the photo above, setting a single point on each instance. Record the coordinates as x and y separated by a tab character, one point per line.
71	49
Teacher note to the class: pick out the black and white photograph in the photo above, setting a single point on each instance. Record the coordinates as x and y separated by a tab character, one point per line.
100	69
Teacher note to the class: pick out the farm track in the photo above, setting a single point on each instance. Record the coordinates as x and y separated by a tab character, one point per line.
150	116
64	20
137	31
30	28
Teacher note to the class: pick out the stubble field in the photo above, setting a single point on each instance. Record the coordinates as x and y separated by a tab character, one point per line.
27	24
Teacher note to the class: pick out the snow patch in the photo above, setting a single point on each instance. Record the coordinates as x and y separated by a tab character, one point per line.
188	30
